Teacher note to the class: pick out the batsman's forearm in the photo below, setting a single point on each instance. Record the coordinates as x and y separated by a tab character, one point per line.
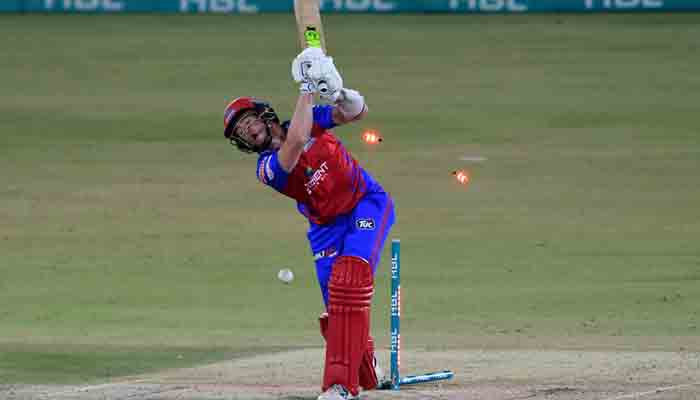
298	133
302	120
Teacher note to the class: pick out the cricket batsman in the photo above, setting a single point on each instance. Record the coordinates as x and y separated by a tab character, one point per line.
349	213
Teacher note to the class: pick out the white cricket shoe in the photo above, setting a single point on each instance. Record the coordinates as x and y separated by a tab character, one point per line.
383	381
336	392
379	372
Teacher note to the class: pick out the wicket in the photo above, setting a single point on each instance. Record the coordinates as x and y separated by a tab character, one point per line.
396	380
395	313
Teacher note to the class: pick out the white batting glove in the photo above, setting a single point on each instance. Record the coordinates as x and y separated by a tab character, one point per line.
327	79
303	62
308	87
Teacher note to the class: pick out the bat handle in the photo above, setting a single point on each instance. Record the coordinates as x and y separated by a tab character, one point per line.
322	87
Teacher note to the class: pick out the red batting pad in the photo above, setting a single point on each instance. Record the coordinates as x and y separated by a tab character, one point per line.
350	295
368	376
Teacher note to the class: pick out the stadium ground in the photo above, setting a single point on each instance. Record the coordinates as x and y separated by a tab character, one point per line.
136	244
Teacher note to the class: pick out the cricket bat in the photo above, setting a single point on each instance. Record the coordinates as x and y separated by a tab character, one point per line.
308	15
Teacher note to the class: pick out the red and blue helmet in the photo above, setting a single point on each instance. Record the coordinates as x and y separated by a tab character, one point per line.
237	109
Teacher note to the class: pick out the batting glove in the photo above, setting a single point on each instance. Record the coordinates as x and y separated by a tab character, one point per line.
303	62
308	87
327	79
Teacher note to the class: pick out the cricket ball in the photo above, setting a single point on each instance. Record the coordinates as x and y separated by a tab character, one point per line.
285	275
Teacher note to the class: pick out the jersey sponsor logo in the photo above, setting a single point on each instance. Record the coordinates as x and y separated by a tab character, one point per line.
319	176
365	224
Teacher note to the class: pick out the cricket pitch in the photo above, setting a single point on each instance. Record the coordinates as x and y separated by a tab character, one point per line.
487	374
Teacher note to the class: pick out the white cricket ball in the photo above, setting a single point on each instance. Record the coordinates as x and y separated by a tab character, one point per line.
285	275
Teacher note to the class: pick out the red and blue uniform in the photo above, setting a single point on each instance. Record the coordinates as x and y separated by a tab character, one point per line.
349	213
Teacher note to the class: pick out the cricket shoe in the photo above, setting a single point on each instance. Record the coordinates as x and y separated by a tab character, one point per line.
383	382
336	392
378	370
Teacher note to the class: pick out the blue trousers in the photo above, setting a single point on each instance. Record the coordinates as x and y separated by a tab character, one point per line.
360	233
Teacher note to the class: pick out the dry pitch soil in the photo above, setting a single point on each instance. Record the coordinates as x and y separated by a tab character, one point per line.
479	374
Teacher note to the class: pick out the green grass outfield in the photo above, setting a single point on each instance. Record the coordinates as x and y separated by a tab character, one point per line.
132	237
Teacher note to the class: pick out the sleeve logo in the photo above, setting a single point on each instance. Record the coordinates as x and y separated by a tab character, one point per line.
268	169
265	173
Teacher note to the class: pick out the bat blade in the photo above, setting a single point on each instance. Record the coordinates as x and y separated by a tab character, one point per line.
309	25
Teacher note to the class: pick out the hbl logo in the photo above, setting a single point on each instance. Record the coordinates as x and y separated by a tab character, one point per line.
84	5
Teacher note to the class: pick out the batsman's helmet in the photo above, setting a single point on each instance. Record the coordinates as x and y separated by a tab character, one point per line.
239	107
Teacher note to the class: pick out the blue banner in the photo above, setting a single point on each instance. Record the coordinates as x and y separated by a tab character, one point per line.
11	5
520	6
372	6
